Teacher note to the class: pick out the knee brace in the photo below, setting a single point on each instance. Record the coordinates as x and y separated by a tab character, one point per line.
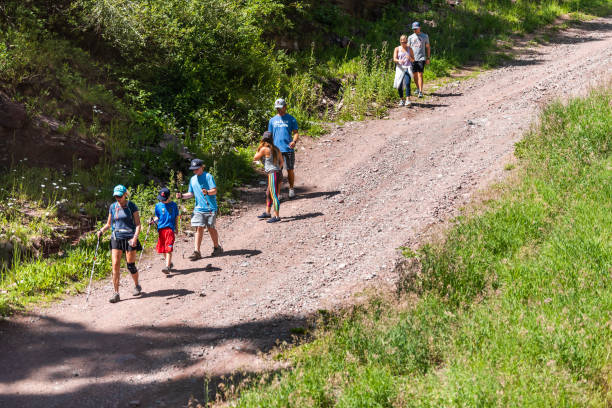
132	268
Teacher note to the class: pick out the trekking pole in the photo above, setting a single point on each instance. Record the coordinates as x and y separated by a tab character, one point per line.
146	237
92	269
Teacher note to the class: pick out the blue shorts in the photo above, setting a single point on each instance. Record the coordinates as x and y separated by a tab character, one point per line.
203	219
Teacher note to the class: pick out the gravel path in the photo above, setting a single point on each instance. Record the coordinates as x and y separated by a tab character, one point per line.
363	190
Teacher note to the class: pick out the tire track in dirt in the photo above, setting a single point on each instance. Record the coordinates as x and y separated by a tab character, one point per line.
363	191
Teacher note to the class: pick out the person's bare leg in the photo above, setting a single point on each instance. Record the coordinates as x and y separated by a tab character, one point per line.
116	262
214	235
130	257
419	78
291	177
198	238
168	256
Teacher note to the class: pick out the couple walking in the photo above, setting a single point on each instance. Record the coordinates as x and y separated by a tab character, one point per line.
410	58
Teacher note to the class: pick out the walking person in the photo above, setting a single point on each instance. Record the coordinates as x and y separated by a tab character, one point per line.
202	186
419	42
272	159
124	220
403	57
284	129
166	218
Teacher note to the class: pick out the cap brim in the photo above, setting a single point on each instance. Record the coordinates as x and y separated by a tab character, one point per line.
195	168
160	198
278	106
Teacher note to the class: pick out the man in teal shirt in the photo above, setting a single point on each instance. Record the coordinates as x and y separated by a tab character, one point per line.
202	186
284	129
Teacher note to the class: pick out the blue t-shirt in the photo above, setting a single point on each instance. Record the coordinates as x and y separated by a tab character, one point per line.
166	214
204	203
282	128
122	220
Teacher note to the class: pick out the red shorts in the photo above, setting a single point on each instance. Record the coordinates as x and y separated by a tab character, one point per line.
165	241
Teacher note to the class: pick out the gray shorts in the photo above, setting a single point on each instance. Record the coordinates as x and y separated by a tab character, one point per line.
203	219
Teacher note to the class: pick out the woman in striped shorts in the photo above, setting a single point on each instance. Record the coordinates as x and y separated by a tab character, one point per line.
272	159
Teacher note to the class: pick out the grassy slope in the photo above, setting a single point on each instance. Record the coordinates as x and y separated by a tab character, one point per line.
513	308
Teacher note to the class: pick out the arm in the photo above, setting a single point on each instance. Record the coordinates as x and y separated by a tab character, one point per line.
428	52
411	53
260	153
212	191
134	239
105	227
296	136
184	195
395	59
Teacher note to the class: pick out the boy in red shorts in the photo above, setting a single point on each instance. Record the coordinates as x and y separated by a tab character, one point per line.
166	216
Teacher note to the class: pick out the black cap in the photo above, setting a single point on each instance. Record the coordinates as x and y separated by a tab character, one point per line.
164	194
196	164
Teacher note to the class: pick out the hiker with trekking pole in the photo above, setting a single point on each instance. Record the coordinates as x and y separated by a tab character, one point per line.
124	222
202	186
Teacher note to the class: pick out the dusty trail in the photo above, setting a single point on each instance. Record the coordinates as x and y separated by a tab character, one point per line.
363	190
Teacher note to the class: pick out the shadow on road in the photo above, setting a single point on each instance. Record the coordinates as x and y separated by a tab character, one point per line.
207	268
301	217
60	352
301	194
247	253
445	95
167	293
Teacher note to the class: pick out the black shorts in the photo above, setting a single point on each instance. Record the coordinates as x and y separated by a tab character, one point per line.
418	66
123	244
289	160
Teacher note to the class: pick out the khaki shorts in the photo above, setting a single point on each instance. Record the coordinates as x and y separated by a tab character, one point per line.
203	219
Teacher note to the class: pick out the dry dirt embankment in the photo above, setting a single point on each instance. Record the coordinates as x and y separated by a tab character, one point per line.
363	191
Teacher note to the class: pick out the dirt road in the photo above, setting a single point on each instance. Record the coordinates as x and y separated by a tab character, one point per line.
363	191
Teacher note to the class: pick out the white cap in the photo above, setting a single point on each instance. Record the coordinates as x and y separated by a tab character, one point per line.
280	102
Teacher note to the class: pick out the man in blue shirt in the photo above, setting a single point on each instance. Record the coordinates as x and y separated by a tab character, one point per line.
202	186
284	129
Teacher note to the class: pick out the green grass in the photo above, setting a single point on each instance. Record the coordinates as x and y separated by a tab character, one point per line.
512	308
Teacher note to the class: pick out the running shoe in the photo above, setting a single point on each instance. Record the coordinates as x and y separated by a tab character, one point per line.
291	193
167	269
218	250
195	256
408	103
137	290
420	94
401	103
114	298
273	219
264	216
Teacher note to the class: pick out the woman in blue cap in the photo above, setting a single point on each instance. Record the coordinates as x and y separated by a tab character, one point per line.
124	220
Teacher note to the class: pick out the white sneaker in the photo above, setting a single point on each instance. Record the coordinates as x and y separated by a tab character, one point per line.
407	103
401	103
291	193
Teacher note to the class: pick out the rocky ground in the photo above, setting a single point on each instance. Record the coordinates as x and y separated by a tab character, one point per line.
363	191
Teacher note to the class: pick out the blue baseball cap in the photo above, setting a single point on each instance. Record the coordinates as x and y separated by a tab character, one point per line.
416	25
119	190
196	164
164	194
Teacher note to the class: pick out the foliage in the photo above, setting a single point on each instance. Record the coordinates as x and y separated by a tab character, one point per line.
513	306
